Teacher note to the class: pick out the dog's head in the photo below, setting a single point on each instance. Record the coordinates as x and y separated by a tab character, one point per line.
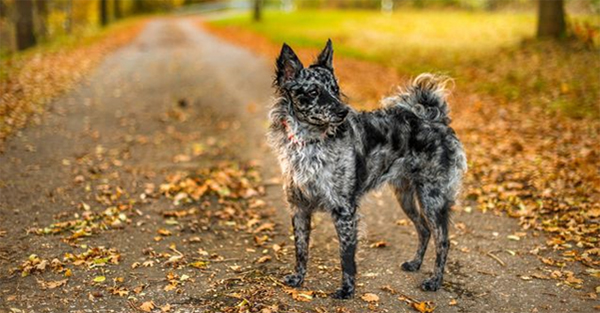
313	91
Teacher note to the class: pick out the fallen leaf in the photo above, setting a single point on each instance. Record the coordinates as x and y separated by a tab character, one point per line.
147	306
99	279
164	232
199	264
513	237
301	295
263	259
423	306
370	297
379	244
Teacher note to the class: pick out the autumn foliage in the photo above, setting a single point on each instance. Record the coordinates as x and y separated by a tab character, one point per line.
536	165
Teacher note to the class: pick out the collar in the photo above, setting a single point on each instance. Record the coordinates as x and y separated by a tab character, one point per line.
290	134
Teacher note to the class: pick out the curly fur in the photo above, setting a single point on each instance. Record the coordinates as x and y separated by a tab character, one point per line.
331	155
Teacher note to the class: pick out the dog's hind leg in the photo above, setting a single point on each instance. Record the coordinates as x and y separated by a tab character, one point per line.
406	197
436	210
301	223
346	227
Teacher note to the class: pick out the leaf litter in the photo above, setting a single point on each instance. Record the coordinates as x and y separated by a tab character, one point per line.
530	163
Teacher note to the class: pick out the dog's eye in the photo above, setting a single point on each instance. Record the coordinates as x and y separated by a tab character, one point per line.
313	93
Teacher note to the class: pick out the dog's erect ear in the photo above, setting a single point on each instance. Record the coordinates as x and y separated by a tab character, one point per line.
325	58
288	65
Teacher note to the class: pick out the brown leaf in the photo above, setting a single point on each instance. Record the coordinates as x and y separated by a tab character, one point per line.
147	306
263	227
52	284
164	232
264	259
379	244
370	297
301	295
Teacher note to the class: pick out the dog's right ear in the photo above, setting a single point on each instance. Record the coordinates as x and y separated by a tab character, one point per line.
288	65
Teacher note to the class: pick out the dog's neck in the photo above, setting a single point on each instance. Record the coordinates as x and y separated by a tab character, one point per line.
300	134
297	133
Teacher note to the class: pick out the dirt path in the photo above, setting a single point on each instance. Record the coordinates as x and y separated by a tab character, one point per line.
177	100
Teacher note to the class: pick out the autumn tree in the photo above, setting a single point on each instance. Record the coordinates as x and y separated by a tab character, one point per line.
24	24
41	7
104	12
118	9
551	19
257	10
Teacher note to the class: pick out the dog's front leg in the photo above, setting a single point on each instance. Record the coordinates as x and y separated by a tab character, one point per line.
346	227
301	223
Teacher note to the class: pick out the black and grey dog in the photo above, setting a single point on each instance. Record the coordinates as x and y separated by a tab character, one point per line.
331	155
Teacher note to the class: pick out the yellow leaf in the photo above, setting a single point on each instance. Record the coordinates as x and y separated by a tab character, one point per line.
99	279
423	306
199	264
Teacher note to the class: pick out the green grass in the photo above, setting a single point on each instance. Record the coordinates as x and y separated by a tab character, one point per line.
411	38
491	53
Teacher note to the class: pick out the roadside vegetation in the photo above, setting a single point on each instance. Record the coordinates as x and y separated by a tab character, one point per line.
526	110
489	53
30	79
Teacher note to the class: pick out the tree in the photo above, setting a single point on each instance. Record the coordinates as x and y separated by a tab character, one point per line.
551	19
41	7
257	10
24	25
118	9
104	12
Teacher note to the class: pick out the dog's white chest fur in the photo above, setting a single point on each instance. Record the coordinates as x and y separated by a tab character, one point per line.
310	169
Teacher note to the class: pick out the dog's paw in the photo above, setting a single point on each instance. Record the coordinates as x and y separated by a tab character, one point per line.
432	283
342	293
411	266
293	280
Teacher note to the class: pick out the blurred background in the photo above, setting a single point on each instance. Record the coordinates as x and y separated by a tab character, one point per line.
139	82
24	23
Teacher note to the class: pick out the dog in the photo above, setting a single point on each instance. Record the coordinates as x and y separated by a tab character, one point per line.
331	155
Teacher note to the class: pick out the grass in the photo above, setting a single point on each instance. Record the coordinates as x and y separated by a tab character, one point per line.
490	53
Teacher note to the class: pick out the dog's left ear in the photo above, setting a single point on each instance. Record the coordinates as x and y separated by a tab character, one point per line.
325	58
288	65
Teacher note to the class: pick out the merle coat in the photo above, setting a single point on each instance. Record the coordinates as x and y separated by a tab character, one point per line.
331	155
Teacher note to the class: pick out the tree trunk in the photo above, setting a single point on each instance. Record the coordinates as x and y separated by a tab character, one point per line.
139	6
118	9
69	22
551	19
257	10
41	7
24	25
103	12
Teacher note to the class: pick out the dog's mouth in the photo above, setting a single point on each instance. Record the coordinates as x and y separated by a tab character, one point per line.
325	124
331	121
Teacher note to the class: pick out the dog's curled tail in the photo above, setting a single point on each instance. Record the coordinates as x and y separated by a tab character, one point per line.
426	97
